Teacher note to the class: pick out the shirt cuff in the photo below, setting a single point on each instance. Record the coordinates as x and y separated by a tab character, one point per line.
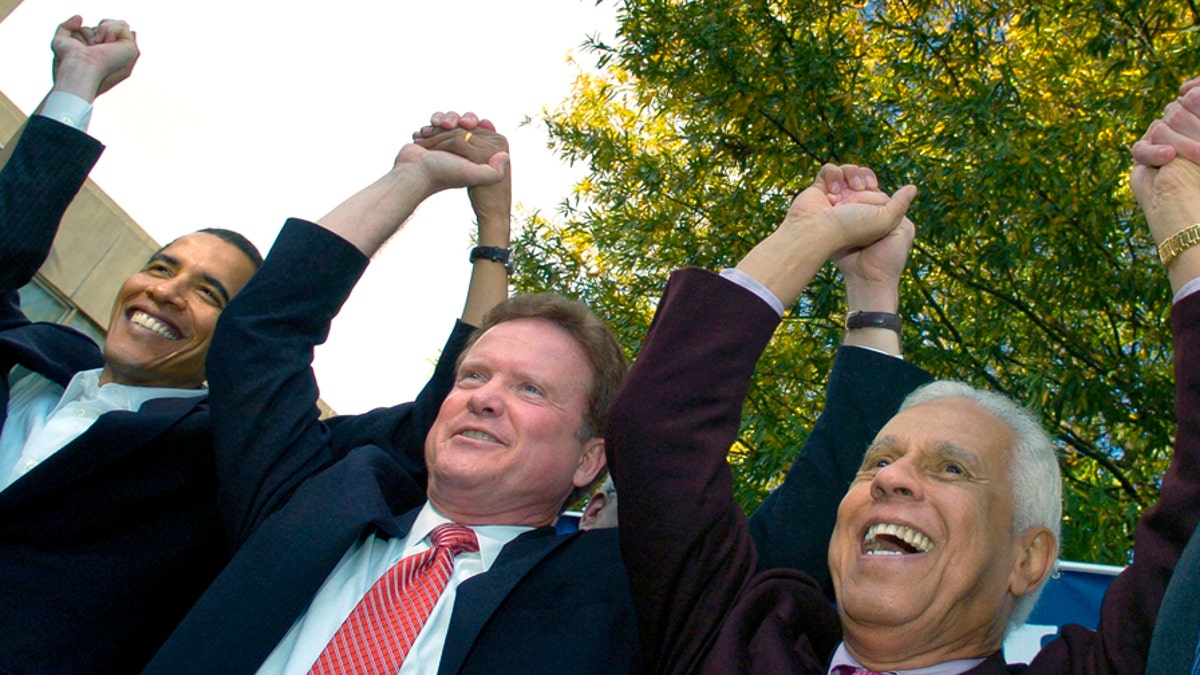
68	109
1188	288
751	284
877	351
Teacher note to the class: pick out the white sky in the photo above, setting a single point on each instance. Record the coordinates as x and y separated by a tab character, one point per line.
240	114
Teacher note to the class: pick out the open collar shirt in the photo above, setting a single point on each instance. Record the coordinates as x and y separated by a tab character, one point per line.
43	417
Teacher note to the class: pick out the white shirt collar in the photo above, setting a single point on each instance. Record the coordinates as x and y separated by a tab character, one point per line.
492	538
85	389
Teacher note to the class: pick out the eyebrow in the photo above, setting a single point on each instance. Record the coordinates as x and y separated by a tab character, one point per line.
878	446
208	278
957	452
881	443
961	454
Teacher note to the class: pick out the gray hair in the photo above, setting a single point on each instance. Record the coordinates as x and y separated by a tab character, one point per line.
1036	479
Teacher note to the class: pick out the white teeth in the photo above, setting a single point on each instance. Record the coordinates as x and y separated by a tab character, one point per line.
909	536
146	321
480	436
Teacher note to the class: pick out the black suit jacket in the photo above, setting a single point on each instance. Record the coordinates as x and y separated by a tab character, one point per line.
297	493
106	544
1174	647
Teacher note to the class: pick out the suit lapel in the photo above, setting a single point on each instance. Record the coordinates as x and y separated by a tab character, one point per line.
114	436
478	598
53	351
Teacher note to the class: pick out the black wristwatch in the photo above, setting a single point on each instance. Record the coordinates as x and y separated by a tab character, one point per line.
495	254
873	320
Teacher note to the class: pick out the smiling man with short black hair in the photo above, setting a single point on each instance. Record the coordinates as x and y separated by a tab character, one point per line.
108	520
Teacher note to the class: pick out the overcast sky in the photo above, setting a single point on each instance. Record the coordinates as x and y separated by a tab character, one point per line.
240	114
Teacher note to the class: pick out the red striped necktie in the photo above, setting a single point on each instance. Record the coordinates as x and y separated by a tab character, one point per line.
377	635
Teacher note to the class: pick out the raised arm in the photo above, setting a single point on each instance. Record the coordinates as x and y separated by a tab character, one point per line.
263	392
47	162
476	139
1169	194
865	387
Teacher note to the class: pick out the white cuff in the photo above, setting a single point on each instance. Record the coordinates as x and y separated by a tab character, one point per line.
1188	288
68	109
754	286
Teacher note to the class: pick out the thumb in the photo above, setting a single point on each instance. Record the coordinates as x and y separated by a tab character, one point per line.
72	24
501	162
481	175
897	206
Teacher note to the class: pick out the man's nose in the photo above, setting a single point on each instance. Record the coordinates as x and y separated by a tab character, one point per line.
898	479
487	399
167	291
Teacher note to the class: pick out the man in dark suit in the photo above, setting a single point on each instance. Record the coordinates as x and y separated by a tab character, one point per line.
319	517
108	528
109	525
321	514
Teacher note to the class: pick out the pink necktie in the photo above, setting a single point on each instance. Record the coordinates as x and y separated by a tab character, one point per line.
377	635
853	670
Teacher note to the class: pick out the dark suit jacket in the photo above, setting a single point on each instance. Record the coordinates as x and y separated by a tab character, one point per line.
702	606
1174	647
105	545
297	493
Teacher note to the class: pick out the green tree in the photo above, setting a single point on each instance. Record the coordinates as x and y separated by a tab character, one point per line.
1032	273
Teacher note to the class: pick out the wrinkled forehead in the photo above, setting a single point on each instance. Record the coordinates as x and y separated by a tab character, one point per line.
955	426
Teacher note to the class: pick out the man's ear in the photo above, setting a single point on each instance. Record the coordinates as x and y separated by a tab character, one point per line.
1036	552
595	505
591	462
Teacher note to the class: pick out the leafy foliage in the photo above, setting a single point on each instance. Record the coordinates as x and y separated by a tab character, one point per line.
1032	274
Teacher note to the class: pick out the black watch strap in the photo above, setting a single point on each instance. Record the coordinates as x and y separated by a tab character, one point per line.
495	254
873	320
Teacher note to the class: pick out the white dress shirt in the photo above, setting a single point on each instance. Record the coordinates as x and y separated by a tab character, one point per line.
43	417
363	565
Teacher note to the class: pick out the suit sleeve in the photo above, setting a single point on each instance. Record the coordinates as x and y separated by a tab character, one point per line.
48	166
1130	606
43	174
793	526
685	541
267	430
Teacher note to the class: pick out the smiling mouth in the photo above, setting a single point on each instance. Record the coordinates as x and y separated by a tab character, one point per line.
886	539
148	322
477	435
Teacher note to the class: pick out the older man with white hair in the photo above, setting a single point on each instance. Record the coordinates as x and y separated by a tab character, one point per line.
949	527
